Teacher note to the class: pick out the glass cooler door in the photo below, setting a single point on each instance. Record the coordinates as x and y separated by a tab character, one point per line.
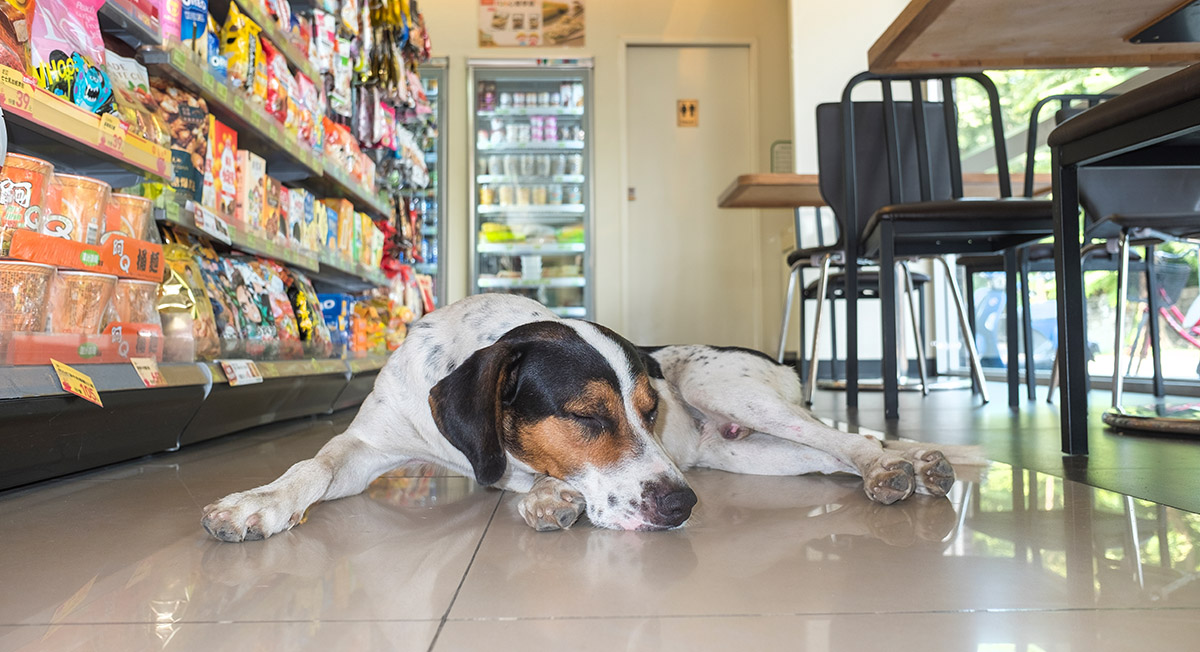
531	196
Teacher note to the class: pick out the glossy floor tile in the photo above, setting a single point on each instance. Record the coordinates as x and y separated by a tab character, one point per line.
1016	558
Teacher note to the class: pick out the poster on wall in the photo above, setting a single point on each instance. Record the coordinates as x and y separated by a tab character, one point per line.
531	23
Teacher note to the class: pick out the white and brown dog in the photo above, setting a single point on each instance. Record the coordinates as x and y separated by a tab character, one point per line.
575	417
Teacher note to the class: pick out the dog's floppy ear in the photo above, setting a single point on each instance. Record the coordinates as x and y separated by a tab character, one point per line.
468	407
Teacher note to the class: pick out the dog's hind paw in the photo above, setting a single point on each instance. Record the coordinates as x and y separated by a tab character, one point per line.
889	480
247	516
934	474
551	505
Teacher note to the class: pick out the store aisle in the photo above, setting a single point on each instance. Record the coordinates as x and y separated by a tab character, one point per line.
1015	559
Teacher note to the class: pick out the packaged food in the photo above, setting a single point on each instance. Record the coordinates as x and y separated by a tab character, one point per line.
258	88
309	231
220	289
340	99
183	306
136	302
254	299
284	316
129	215
220	168
75	208
218	65
67	53
324	39
251	189
14	35
193	27
133	102
239	46
78	301
272	212
347	224
295	217
348	17
277	76
186	118
307	307
24	290
24	181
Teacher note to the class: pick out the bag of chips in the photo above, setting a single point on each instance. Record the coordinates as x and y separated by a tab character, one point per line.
239	46
250	291
67	53
134	103
222	294
183	303
281	308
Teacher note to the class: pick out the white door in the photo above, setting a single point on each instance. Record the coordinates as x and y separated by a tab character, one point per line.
692	269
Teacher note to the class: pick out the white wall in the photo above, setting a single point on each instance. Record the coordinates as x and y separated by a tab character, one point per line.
453	24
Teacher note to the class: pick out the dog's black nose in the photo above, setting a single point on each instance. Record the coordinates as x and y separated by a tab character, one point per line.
675	505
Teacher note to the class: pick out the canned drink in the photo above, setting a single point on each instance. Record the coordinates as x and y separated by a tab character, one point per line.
577	133
543	165
495	165
483	136
539	195
554	194
487	196
523	133
575	164
564	133
482	165
555	98
573	195
512	133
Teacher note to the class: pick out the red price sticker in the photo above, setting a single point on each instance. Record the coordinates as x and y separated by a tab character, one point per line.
17	94
76	382
147	370
112	134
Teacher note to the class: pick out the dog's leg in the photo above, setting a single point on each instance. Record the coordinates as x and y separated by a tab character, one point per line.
551	505
935	467
343	467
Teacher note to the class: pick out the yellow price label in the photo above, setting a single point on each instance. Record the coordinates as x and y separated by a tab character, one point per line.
147	370
112	133
76	382
17	94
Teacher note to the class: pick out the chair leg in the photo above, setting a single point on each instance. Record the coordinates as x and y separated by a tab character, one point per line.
822	288
967	334
1027	329
1154	334
888	301
833	340
912	313
969	295
787	311
1053	379
1012	367
1122	287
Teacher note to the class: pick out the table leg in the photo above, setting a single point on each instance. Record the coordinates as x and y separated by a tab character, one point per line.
1071	305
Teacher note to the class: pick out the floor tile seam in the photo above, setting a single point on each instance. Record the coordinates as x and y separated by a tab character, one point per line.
927	612
271	621
467	571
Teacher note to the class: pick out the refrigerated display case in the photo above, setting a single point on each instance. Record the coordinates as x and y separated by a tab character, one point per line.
429	202
531	195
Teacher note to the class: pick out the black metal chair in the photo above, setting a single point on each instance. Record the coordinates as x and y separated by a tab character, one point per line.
892	172
1154	126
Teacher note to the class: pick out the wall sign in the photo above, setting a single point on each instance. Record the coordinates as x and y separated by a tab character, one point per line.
531	23
687	113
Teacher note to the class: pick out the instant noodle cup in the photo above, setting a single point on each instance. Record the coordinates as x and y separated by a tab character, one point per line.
75	208
128	214
136	301
78	301
23	184
24	288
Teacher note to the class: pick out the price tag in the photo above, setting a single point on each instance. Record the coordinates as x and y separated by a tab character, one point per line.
239	104
222	92
240	372
208	81
147	370
17	94
178	58
112	134
76	382
212	224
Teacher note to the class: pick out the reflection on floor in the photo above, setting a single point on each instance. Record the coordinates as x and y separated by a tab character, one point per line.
1016	558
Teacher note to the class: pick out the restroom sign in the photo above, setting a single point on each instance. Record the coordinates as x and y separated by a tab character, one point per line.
687	113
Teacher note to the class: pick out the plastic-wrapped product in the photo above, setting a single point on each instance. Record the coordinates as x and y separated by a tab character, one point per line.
67	52
281	306
222	295
183	304
186	118
134	104
277	76
239	46
254	299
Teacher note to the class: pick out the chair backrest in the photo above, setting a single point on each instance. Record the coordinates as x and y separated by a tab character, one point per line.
1068	107
879	153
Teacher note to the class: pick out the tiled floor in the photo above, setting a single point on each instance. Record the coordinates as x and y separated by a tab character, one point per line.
1016	559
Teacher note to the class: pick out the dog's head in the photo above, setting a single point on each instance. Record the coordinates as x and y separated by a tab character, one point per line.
572	400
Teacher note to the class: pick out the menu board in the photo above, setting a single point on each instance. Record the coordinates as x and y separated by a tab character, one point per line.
531	23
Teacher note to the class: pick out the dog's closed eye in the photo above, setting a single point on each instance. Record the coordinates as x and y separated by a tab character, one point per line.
593	422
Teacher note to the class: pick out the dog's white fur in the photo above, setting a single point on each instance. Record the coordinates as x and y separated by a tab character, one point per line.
719	408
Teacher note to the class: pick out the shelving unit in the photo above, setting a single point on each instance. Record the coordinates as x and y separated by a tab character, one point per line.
552	282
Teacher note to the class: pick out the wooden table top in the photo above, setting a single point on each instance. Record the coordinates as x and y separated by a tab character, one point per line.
941	35
783	190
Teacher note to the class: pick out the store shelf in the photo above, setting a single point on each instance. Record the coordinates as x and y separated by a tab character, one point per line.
534	209
426	268
574	312
339	183
554	145
242	238
76	140
524	249
566	111
256	11
530	178
287	159
347	274
554	282
131	21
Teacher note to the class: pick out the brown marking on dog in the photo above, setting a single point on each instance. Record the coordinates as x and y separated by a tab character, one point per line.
562	446
644	396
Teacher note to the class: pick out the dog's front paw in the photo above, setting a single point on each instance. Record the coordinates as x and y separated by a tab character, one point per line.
248	516
934	474
889	479
551	505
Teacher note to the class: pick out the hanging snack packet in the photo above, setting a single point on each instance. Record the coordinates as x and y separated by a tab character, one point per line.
340	100
67	53
217	64
277	79
239	45
134	104
193	27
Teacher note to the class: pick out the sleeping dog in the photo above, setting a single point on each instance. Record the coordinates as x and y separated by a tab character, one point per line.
576	418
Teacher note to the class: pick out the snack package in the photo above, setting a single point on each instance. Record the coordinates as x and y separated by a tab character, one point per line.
348	17
251	189
308	102
309	229
193	27
186	119
296	220
324	36
285	208
222	295
67	53
271	213
331	224
258	87
239	46
183	302
313	330
281	307
250	290
133	102
277	75
302	34
220	168
336	309
14	35
218	65
346	227
340	98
